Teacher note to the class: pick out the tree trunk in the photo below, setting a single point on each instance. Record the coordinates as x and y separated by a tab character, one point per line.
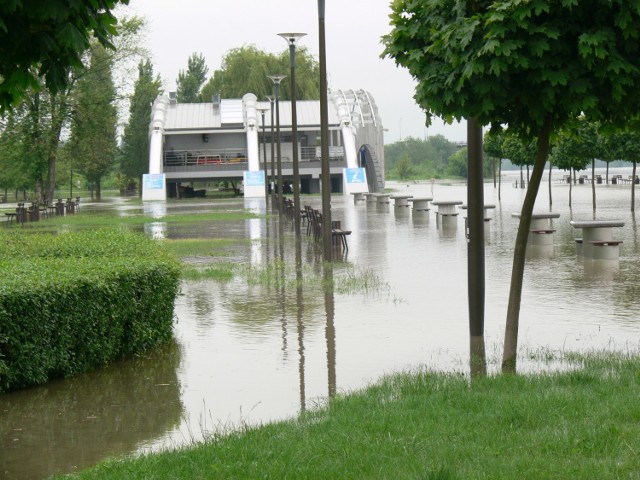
39	191
98	190
521	177
633	187
493	167
58	114
475	248
510	351
607	176
499	180
570	188
550	197
593	183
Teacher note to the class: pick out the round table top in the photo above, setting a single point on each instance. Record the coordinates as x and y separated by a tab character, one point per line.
596	223
538	216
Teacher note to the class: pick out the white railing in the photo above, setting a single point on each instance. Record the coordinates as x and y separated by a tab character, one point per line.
184	158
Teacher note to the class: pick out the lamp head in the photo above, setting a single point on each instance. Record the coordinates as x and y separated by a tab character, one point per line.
292	38
276	79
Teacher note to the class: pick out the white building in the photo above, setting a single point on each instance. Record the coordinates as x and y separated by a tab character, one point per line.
226	140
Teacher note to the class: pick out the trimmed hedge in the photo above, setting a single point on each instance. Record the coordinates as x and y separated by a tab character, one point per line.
78	300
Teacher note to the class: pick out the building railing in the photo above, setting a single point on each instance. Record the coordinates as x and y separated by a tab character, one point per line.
235	155
184	158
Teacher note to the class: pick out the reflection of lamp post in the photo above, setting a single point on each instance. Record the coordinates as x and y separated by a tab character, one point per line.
272	100
324	140
264	150
276	82
291	39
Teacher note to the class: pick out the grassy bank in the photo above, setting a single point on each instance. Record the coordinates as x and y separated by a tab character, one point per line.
583	423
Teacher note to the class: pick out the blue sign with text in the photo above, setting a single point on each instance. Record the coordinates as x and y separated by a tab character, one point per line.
154	181
355	175
254	179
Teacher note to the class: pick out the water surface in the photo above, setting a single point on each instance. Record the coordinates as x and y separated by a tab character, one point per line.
246	354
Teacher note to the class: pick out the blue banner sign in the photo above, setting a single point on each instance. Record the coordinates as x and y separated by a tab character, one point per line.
254	179
153	181
355	175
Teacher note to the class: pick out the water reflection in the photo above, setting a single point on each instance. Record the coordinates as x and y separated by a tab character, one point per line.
447	225
330	329
68	425
601	269
300	323
266	350
420	218
539	251
154	209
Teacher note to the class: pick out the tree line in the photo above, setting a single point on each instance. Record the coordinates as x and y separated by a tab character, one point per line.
56	131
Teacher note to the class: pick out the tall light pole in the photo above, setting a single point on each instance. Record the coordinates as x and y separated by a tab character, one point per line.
264	150
291	39
272	100
324	141
276	83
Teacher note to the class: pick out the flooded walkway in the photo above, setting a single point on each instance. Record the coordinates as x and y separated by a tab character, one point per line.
247	353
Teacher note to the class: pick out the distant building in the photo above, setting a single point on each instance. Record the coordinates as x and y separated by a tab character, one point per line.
221	140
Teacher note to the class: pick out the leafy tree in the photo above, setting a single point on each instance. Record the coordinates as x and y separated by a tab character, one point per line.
28	134
135	143
492	145
566	156
587	146
13	164
430	157
533	66
520	152
628	148
457	166
93	130
246	69
404	168
47	39
43	116
190	82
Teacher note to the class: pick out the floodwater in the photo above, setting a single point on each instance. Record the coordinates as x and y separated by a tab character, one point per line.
246	354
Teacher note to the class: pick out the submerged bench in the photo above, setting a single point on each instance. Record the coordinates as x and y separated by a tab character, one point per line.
339	235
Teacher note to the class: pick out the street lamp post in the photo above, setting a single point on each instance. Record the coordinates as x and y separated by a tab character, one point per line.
291	39
324	140
264	151
272	99
276	82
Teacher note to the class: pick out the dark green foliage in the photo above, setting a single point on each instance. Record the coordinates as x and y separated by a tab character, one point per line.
45	39
190	82
135	143
245	69
416	158
71	302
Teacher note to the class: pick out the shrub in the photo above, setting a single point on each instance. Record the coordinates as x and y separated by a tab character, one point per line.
74	301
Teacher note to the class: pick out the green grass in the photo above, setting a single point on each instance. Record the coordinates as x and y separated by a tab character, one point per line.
96	220
583	423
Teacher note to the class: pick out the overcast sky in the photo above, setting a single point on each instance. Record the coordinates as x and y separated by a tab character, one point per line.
178	28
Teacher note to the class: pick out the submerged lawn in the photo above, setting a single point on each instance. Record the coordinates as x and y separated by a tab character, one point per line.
580	424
